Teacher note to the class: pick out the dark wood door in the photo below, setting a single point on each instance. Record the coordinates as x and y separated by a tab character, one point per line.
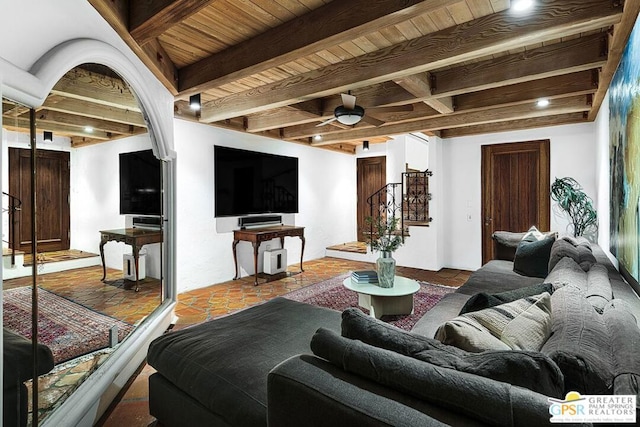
372	176
52	198
515	190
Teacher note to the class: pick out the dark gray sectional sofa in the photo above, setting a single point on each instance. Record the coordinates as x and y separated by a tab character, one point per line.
285	363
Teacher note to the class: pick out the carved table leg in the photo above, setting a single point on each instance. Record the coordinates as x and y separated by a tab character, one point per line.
103	241
302	252
235	259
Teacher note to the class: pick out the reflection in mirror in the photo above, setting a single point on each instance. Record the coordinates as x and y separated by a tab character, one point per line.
98	218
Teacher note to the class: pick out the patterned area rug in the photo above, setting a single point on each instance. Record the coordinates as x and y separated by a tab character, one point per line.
331	294
68	329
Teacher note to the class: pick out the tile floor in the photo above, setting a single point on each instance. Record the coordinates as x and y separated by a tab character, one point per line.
131	409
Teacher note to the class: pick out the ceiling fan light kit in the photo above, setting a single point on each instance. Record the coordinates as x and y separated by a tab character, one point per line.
348	116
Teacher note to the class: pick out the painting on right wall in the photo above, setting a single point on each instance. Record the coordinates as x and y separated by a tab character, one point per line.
624	125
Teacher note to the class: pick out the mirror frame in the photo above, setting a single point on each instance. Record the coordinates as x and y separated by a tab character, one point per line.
87	404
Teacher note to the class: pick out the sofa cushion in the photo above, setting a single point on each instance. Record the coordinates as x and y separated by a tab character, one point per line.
580	343
625	339
506	243
531	370
223	364
468	394
496	276
578	250
567	272
484	300
524	324
532	256
598	287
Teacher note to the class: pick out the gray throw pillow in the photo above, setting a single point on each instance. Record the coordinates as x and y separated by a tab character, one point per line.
484	300
528	369
524	324
532	256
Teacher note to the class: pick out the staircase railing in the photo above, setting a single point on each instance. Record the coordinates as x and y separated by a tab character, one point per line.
408	200
13	206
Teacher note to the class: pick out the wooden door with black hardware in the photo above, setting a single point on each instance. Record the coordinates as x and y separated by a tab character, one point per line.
52	198
515	189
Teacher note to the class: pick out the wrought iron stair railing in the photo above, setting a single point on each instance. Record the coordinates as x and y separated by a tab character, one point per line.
407	200
13	206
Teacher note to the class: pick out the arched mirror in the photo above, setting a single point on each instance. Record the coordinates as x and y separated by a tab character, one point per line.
97	265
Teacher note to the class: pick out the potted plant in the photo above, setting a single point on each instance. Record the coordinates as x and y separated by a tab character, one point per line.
570	197
385	238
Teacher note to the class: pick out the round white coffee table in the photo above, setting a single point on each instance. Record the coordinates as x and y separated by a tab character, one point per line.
380	301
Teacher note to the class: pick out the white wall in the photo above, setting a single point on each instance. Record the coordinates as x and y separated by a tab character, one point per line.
327	200
573	153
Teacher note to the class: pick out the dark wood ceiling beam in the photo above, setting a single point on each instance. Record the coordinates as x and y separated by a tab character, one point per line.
455	120
585	53
330	25
116	13
510	125
150	18
481	37
96	111
616	46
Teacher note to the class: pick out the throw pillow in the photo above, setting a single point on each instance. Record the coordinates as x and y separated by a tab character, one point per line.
484	300
524	324
532	256
531	370
580	343
534	233
575	249
469	395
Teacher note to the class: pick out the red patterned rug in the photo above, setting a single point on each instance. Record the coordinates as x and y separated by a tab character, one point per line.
68	329
332	294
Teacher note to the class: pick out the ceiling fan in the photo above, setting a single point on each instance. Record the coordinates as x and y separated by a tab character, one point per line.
351	114
348	113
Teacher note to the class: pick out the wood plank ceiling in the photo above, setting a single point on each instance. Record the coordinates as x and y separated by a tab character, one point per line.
442	67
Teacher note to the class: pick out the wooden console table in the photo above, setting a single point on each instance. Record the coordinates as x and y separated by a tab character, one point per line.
258	235
135	237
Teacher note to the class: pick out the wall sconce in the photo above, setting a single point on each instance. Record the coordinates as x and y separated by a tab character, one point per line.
194	102
48	136
365	145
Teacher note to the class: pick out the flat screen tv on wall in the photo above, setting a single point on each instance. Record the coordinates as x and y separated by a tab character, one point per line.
249	182
140	183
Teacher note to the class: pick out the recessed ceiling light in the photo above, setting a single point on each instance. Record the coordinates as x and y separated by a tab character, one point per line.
542	103
317	138
88	129
522	5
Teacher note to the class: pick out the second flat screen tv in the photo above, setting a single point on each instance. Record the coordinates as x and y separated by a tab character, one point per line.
249	182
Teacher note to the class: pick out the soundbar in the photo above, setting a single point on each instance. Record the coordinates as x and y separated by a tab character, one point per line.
154	222
259	221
